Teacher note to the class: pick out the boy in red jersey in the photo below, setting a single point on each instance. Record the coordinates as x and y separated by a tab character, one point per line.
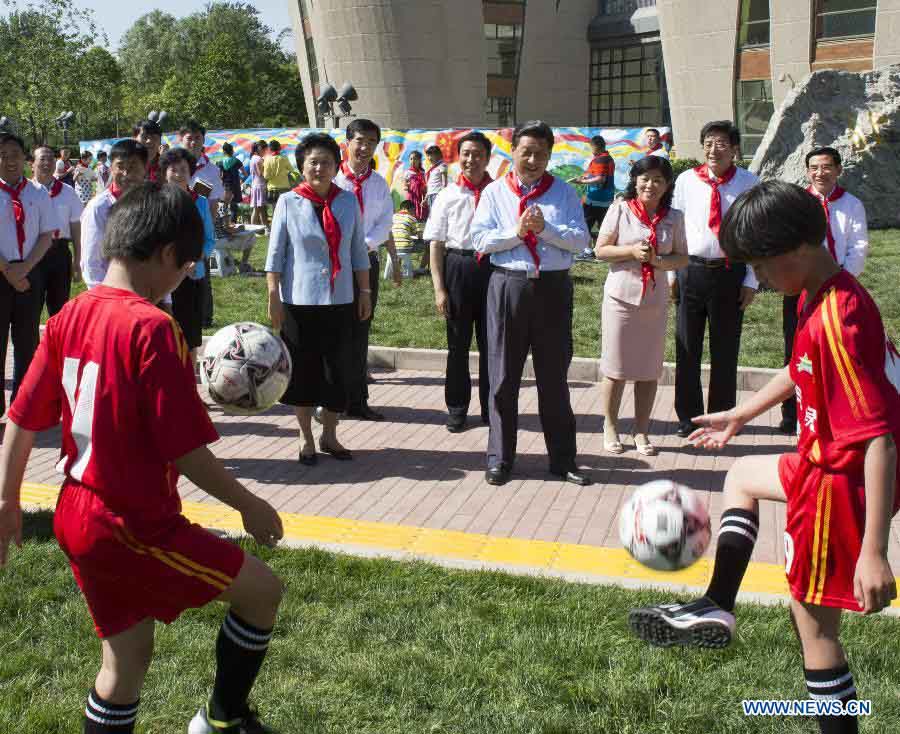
841	484
117	371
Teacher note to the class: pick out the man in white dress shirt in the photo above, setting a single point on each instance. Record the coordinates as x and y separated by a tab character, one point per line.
461	278
653	141
847	238
27	222
711	288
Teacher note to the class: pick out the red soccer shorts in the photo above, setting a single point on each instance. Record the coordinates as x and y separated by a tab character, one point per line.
126	579
823	536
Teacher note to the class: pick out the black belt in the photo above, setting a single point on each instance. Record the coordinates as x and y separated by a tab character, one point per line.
524	274
62	241
718	262
463	253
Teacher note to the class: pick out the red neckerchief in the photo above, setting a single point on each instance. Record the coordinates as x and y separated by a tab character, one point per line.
648	272
654	148
329	222
56	188
18	211
416	186
153	171
464	182
115	191
715	201
833	196
201	162
539	190
357	182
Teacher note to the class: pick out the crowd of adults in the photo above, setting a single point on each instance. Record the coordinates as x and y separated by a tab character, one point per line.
499	252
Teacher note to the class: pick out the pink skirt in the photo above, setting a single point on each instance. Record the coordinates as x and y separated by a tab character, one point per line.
633	338
258	195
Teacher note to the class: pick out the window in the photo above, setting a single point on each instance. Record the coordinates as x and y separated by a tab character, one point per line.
754	108
754	27
842	18
503	43
625	7
628	86
498	111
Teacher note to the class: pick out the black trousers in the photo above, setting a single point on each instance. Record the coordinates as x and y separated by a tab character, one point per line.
56	273
707	294
789	326
467	281
357	370
533	313
20	316
594	214
206	299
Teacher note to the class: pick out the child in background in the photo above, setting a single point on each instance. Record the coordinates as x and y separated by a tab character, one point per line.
405	231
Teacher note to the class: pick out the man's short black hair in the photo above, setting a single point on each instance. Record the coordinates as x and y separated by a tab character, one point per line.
150	216
772	218
476	136
433	151
172	157
317	140
652	130
364	126
826	150
101	154
533	129
42	146
274	145
726	127
192	126
146	126
128	148
227	148
6	137
598	141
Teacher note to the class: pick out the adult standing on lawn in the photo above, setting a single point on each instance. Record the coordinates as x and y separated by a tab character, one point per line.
373	197
711	288
846	238
461	278
641	237
232	171
530	224
258	192
277	170
317	251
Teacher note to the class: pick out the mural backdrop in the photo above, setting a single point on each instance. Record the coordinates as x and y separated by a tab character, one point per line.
571	153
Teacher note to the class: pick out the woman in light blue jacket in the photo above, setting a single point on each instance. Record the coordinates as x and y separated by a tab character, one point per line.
317	249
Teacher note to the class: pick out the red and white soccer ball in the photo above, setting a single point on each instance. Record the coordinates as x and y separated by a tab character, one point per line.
246	368
664	526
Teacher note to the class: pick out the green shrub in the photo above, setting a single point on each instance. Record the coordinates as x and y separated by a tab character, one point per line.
680	165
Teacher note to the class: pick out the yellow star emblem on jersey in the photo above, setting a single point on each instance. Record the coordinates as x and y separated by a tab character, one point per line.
804	364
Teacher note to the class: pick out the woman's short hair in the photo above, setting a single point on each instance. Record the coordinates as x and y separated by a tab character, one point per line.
316	140
259	146
645	165
172	157
416	154
227	148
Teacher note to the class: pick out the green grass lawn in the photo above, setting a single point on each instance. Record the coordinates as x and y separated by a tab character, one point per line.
381	647
405	316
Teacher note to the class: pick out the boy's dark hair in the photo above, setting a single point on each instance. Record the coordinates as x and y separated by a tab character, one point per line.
407	206
476	136
128	148
533	129
274	145
772	218
227	148
651	163
835	156
598	141
43	146
416	153
432	151
726	127
317	140
146	126
6	137
101	154
172	157
364	126
150	216
192	126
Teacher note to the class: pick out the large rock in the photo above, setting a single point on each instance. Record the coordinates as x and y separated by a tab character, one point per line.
856	113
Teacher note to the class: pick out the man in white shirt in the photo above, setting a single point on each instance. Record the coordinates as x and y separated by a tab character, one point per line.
711	288
27	222
653	141
461	278
847	238
374	197
57	265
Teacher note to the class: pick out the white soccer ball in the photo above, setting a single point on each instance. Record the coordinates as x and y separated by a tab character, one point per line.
246	368
664	526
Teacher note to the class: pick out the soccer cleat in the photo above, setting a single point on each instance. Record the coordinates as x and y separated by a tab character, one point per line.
248	724
700	623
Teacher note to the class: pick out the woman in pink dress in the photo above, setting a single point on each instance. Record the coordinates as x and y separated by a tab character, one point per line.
415	185
258	197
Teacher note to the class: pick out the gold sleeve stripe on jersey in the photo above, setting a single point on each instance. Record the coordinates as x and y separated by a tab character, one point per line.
823	553
835	356
848	363
179	339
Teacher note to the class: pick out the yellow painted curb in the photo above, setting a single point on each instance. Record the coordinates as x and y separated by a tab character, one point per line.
761	578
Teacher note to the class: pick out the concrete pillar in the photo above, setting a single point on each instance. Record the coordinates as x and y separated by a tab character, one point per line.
791	41
887	34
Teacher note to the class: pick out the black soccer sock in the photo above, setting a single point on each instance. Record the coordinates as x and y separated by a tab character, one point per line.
834	684
240	650
103	717
737	536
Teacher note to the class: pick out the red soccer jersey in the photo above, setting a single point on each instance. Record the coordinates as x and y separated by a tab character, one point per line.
845	372
118	371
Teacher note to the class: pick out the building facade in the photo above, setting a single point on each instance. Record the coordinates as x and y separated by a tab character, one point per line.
629	63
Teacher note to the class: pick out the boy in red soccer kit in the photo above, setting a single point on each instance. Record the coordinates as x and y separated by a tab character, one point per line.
841	486
117	371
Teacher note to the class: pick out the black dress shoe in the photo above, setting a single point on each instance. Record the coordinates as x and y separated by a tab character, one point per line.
308	459
365	413
456	423
497	475
486	420
572	475
685	429
339	454
788	427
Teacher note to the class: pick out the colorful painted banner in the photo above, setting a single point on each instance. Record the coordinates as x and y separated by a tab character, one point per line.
571	153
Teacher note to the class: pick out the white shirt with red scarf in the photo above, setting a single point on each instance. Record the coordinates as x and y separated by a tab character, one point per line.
850	230
209	173
68	208
378	207
40	218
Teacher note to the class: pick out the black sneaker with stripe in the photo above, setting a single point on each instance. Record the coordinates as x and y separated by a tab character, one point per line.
700	623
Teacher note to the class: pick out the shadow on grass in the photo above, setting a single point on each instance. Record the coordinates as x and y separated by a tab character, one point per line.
37	525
